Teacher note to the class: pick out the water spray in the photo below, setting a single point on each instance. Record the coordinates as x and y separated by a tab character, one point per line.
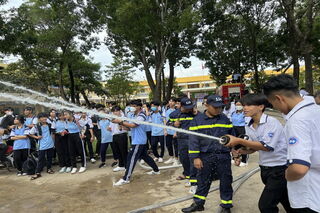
104	115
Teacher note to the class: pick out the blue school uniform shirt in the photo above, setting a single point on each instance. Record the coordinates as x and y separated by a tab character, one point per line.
238	119
157	118
46	142
106	135
60	126
168	113
72	127
138	134
148	128
32	120
21	143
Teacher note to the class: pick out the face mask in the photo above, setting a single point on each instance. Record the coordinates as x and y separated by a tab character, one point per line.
132	109
239	108
9	113
154	108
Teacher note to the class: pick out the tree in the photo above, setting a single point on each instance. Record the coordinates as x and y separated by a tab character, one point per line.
142	31
120	85
45	32
300	18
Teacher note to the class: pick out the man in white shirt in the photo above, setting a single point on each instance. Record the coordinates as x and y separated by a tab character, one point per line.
302	132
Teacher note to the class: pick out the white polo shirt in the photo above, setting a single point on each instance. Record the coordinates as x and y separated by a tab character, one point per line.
302	132
270	134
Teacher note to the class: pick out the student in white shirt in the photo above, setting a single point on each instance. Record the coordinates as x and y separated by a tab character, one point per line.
302	131
267	137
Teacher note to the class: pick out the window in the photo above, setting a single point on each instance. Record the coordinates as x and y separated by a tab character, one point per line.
193	86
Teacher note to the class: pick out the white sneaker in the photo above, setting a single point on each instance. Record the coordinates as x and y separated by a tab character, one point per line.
243	164
142	161
153	173
82	169
74	170
24	174
193	190
121	182
160	160
187	184
176	162
171	160
93	160
118	169
63	170
155	159
68	169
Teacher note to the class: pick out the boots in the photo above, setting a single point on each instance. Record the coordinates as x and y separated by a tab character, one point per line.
193	208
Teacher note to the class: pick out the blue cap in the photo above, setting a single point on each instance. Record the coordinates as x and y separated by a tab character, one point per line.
187	103
215	101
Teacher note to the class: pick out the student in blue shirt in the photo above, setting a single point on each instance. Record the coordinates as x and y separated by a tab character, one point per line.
76	146
61	144
30	121
106	139
147	110
43	132
171	138
21	143
138	149
157	134
238	122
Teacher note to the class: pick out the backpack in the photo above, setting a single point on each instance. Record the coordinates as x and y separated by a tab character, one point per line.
30	165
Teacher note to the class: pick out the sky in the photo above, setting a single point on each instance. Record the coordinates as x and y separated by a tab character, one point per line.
104	57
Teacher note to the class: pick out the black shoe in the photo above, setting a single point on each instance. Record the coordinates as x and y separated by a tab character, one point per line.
193	208
102	165
224	210
114	164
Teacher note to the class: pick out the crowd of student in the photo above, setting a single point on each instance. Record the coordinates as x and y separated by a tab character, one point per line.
290	166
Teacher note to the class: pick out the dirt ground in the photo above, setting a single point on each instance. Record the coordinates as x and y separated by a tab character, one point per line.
93	191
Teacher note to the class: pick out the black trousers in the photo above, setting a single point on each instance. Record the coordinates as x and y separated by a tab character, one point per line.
148	140
3	149
115	151
154	142
184	156
76	148
275	190
97	134
103	151
120	143
172	144
62	148
88	143
19	157
44	159
138	152
215	166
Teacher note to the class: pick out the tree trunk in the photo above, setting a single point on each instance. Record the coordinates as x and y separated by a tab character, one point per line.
157	91
308	73
77	96
163	85
255	65
296	66
170	80
85	97
62	93
308	47
72	90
